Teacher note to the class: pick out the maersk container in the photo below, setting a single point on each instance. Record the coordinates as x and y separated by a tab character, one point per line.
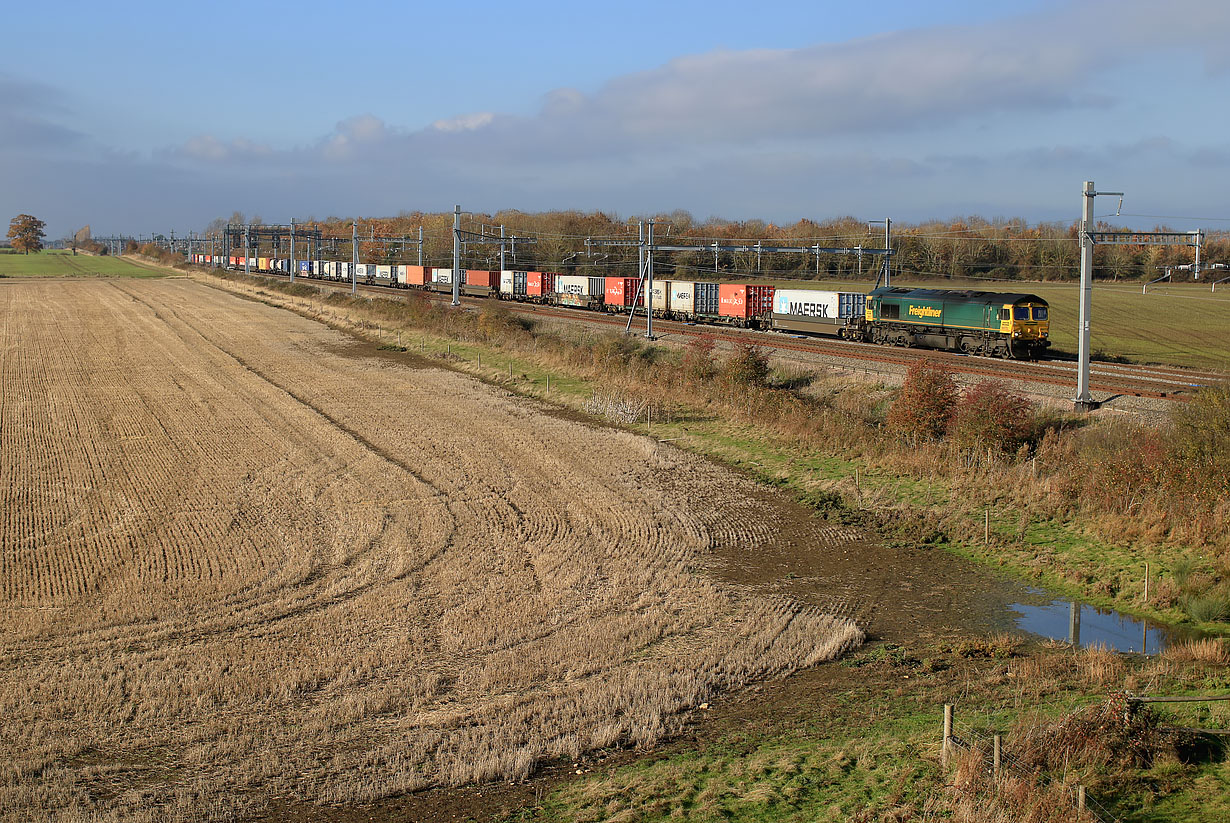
572	284
831	305
572	290
743	303
683	297
659	297
621	292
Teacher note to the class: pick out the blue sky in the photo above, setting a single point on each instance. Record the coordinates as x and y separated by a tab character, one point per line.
140	116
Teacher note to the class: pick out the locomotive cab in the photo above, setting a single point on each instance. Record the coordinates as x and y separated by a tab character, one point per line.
1026	324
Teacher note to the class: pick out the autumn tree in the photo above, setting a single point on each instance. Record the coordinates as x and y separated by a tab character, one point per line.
26	233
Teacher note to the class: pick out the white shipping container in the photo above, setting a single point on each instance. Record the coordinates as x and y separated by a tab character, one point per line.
384	272
683	296
442	275
830	305
659	296
399	274
572	284
506	281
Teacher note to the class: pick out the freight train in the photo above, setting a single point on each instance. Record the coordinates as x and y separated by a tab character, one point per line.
995	324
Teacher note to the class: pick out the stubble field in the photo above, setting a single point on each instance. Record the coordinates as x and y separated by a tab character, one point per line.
245	559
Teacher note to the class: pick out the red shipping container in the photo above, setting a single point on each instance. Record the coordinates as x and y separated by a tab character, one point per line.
539	283
621	291
479	277
744	302
418	275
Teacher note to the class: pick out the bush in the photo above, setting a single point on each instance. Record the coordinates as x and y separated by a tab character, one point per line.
925	406
698	361
991	417
747	366
1207	608
1200	435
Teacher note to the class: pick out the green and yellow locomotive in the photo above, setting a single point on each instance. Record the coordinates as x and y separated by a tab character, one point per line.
975	322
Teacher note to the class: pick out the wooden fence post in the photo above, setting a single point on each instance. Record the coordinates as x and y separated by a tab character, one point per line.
1146	584
1080	798
996	753
986	534
946	751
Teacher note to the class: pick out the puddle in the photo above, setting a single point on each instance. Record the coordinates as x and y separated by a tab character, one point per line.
1086	626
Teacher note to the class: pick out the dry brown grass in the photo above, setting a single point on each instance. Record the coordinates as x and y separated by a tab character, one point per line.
1210	650
240	563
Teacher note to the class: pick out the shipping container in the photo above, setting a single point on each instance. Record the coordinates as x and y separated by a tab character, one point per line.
572	284
708	299
444	276
621	292
577	290
659	296
682	295
540	284
417	275
506	282
305	266
743	304
384	273
480	277
831	305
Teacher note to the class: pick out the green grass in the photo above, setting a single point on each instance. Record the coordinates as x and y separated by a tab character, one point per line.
1180	325
61	263
867	749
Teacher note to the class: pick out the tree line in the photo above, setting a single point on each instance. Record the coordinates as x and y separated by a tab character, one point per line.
973	247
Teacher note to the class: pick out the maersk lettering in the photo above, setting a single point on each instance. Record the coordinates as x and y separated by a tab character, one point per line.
809	309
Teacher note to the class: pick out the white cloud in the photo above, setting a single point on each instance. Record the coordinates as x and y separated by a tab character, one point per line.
466	122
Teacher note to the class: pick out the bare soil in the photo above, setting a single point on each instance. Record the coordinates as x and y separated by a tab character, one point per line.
246	564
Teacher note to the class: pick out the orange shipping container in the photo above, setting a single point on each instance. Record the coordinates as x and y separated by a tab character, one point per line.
744	302
480	277
621	291
418	275
539	283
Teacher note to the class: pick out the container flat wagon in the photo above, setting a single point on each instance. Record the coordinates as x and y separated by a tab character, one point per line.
832	313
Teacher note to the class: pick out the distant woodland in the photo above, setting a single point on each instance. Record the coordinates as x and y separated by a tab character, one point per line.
973	247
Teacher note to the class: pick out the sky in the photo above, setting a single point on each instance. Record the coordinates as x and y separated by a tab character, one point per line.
150	117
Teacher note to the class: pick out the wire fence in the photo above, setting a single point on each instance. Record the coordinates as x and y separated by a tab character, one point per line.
992	747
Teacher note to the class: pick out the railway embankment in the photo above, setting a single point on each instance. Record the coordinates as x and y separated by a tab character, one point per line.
1120	513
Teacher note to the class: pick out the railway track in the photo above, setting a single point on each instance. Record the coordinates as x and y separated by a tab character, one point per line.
1159	382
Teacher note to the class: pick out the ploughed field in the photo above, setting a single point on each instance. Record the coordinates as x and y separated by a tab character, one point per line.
246	559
